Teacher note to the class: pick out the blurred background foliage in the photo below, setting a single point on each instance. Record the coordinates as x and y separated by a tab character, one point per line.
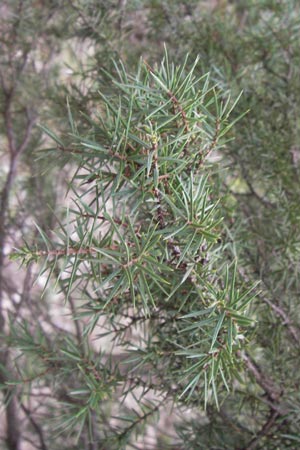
55	50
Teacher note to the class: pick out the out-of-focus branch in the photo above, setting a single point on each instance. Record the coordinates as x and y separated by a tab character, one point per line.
8	123
272	391
12	423
263	432
31	119
13	432
294	332
14	152
36	426
274	305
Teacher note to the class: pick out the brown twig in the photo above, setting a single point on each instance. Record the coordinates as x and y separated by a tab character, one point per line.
263	432
278	310
272	391
294	332
36	426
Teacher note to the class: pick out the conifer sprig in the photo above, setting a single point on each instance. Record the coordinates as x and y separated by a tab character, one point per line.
141	242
